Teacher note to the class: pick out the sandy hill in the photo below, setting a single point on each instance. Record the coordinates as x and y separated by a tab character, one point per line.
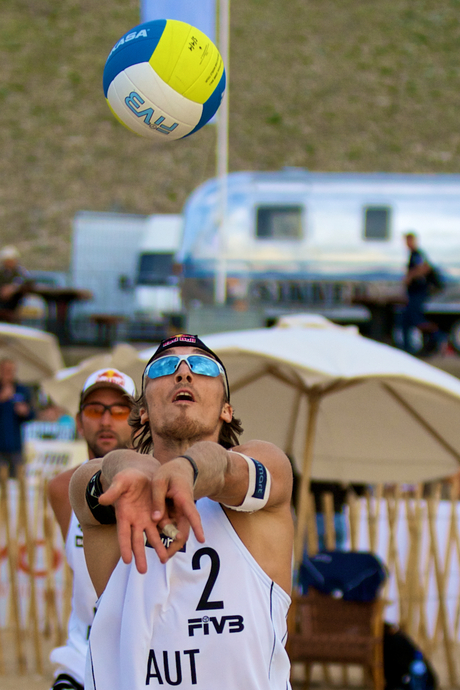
324	84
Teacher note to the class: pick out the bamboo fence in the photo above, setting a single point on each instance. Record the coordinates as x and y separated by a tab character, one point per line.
35	582
415	533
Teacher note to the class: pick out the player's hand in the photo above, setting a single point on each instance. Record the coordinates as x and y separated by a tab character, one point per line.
172	500
130	494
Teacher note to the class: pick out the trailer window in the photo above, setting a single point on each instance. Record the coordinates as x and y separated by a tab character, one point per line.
377	223
155	269
279	222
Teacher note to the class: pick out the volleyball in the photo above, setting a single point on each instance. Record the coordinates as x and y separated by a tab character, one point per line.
164	79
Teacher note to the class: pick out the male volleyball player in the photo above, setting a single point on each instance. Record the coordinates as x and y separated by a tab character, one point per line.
203	607
105	404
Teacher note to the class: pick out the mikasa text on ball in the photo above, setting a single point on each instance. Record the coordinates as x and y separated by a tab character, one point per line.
164	79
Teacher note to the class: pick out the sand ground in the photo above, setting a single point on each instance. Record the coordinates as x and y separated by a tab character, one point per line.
10	679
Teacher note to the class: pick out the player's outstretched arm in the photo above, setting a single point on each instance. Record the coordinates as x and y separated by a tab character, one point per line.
124	497
224	475
130	478
58	496
256	494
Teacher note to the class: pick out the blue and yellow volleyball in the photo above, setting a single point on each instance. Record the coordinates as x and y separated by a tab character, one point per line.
164	79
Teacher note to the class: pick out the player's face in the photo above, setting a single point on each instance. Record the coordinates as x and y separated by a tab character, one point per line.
184	405
411	242
108	431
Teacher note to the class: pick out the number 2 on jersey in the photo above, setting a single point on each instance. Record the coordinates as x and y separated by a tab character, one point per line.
204	604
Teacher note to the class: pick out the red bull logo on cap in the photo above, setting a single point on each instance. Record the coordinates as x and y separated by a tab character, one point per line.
111	376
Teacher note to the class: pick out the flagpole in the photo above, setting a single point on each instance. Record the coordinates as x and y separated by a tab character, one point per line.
220	283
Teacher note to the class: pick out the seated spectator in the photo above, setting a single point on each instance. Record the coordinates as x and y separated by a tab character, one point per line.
14	284
52	422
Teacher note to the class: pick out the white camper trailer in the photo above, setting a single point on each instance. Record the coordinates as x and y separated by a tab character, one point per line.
286	229
292	240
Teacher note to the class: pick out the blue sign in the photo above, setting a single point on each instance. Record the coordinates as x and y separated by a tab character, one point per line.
199	13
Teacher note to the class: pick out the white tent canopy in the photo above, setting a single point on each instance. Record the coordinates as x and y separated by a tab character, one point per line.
372	412
35	352
65	386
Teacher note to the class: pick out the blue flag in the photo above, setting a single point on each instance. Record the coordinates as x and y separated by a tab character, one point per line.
199	13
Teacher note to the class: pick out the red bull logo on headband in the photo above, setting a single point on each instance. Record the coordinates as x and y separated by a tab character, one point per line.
186	339
180	338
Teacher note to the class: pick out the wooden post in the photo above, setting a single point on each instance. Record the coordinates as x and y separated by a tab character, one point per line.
2	658
67	603
50	586
354	511
393	499
441	593
312	527
373	514
444	569
456	537
299	539
11	549
414	524
327	501
30	547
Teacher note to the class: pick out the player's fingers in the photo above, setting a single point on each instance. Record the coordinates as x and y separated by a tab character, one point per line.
154	540
138	547
124	540
188	510
174	547
158	500
113	493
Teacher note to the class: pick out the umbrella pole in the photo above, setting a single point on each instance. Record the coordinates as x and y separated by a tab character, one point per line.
302	501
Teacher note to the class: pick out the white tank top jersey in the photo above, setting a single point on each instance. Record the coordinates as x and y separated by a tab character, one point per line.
72	656
210	619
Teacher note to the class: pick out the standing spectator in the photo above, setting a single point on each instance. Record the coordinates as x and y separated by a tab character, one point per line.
340	493
15	409
413	315
106	400
14	280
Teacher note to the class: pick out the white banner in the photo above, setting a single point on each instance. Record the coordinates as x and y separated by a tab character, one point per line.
48	457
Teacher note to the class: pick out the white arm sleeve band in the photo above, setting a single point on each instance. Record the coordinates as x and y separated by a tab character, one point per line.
258	488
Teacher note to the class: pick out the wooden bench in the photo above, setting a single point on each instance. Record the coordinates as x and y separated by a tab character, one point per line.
323	629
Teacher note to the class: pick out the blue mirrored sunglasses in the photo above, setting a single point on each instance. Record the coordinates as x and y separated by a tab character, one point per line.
198	364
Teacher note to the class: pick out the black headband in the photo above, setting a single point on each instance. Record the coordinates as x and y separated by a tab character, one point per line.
187	340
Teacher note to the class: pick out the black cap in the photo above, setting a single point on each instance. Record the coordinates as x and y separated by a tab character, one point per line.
187	340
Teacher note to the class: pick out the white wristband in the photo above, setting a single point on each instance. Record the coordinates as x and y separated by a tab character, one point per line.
258	487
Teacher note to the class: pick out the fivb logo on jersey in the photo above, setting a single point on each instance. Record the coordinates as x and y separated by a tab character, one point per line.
208	624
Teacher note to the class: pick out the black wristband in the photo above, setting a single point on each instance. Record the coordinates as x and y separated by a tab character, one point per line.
193	464
103	514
